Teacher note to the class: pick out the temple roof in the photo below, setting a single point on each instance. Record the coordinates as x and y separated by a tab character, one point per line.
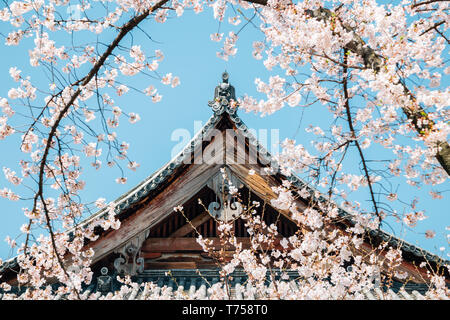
195	284
224	107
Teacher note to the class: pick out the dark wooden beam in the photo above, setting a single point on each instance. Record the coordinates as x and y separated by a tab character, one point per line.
170	265
190	244
189	227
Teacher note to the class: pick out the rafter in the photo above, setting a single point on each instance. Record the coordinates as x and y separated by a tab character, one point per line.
191	225
191	244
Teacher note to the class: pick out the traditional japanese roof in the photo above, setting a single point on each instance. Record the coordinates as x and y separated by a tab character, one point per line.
223	111
196	284
225	116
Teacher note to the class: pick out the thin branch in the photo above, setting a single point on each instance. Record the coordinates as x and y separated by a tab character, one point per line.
352	129
427	2
124	30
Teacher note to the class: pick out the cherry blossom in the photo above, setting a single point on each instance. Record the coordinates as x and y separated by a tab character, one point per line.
377	70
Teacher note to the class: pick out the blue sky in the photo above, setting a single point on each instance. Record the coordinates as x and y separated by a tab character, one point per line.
191	55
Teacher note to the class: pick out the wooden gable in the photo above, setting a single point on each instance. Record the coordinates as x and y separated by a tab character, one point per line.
166	238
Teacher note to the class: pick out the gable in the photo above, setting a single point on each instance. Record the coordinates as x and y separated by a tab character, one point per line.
222	142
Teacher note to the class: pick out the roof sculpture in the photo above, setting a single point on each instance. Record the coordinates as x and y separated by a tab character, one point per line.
224	97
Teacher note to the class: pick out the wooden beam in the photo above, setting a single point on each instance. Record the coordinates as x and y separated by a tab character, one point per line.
180	191
177	193
170	245
183	189
190	244
260	184
170	265
188	228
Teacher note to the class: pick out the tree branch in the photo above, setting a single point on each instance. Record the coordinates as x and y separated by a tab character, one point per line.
374	61
357	45
417	116
415	5
124	30
352	129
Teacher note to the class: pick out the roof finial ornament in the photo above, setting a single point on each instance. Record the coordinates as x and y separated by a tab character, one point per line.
224	97
225	77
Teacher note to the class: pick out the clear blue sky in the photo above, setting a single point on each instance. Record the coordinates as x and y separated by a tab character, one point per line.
191	55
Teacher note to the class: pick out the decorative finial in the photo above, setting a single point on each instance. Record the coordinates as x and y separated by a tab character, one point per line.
225	77
224	97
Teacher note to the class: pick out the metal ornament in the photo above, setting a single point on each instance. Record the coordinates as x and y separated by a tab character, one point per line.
130	262
227	209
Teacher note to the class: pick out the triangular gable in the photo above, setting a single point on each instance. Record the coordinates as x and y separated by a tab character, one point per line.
180	180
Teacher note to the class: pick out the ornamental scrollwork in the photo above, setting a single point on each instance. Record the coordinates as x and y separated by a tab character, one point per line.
227	208
129	262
